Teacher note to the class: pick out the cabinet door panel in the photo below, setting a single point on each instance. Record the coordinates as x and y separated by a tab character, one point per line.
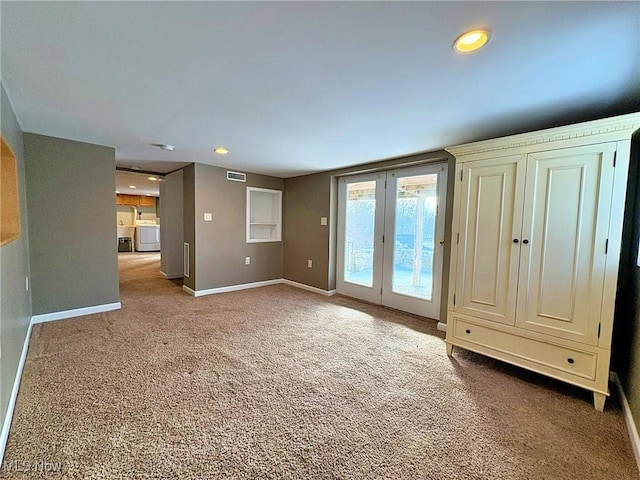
567	206
132	200
145	201
491	212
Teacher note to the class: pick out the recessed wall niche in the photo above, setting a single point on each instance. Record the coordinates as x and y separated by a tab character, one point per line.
9	206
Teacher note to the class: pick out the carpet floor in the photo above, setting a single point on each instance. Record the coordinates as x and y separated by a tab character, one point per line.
281	383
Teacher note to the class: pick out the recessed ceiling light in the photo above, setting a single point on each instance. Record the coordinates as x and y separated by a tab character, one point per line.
148	194
117	191
471	41
221	150
135	168
132	186
153	179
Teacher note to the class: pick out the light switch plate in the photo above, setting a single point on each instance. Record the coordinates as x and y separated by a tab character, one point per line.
247	261
323	220
310	263
208	217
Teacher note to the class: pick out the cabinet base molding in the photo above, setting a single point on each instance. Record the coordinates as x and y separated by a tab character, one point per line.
584	366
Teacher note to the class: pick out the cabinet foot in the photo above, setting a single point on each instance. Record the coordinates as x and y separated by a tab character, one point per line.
598	401
449	349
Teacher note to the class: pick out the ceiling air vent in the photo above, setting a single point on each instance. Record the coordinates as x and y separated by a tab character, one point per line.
237	176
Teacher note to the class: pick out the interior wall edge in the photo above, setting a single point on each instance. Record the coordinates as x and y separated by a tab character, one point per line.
6	424
634	437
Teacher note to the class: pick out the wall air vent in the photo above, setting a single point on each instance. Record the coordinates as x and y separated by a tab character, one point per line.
185	268
237	176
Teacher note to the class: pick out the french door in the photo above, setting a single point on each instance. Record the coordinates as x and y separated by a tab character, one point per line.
391	237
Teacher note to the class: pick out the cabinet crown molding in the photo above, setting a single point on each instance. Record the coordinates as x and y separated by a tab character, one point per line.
617	128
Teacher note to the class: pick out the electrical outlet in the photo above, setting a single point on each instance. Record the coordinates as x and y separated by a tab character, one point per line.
247	261
208	217
310	263
323	220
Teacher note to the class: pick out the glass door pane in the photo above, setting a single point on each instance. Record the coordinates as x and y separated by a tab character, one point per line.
416	205
361	206
359	233
414	227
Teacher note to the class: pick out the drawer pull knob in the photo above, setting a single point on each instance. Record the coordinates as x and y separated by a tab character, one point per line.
515	240
467	331
570	360
525	241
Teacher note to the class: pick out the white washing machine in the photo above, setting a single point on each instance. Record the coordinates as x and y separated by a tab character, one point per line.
147	236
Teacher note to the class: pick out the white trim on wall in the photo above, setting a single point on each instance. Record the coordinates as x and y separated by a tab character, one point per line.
442	326
171	276
189	291
628	416
244	286
4	434
76	312
230	288
304	286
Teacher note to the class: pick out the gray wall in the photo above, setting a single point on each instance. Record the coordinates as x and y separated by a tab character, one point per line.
15	300
306	199
189	217
626	340
220	245
72	223
171	224
309	197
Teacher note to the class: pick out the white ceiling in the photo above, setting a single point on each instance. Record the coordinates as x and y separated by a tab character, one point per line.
141	181
297	87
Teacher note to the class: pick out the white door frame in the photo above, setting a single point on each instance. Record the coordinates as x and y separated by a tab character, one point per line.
380	291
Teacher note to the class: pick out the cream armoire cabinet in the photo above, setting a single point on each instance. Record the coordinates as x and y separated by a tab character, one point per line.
536	236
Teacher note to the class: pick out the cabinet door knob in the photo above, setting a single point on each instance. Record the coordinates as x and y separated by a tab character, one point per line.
515	240
525	241
467	331
570	360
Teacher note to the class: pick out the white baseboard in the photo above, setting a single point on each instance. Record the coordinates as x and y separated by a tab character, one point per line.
326	293
628	416
171	276
4	434
244	286
189	291
442	326
76	312
230	288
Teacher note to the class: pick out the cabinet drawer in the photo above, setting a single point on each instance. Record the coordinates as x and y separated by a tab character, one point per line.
576	362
